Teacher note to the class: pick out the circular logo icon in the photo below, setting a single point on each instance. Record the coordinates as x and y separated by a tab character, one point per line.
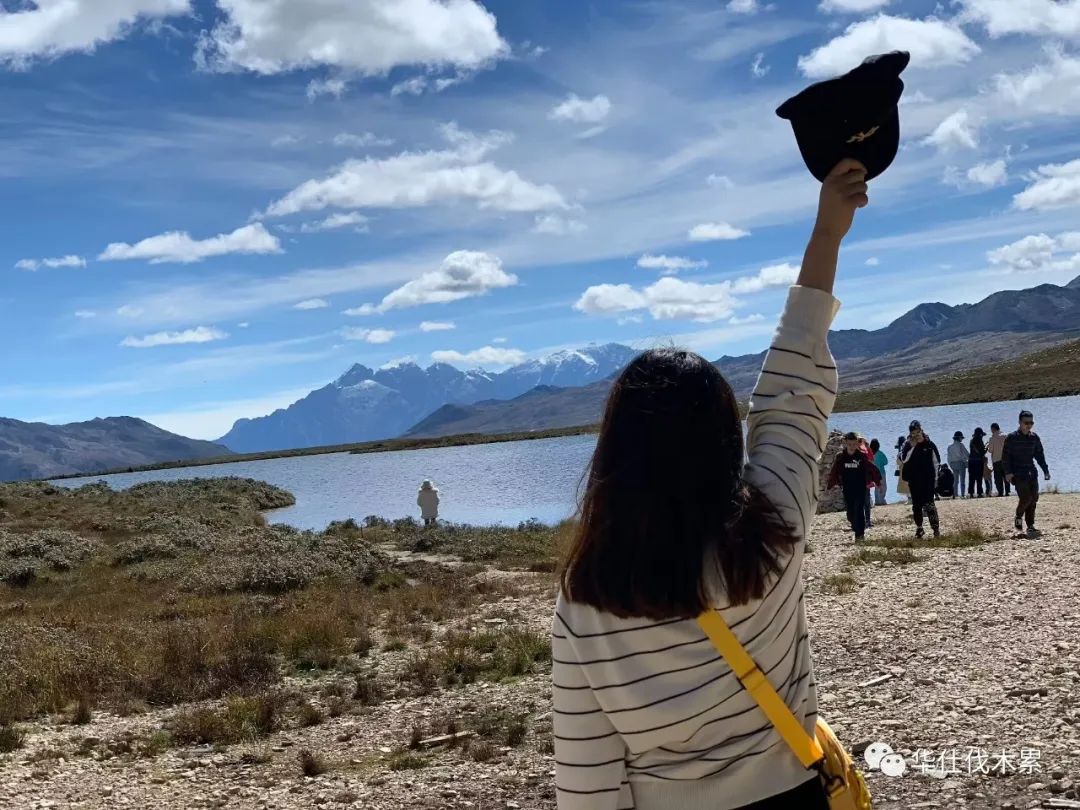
874	753
893	765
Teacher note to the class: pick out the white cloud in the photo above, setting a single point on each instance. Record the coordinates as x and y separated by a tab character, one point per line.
1040	252
463	274
714	231
957	131
200	334
735	320
581	110
367	37
629	319
334	87
178	246
243	325
557	225
363	309
375	336
873	261
719	181
48	29
416	179
418	85
672	298
931	42
61	261
774	275
989	174
1059	18
1050	88
1052	186
499	340
852	6
669	264
484	356
285	141
437	326
357	221
743	7
757	68
85	313
350	139
312	303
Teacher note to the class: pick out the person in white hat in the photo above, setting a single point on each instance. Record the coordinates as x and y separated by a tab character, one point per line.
427	498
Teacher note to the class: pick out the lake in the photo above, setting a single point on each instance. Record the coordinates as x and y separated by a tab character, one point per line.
515	481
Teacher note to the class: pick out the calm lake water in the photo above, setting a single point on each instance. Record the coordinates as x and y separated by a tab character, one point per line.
515	481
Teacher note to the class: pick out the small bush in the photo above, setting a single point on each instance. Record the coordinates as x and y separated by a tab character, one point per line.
156	744
897	556
415	737
242	718
368	691
311	763
839	584
202	726
482	751
82	714
389	580
394	645
316	641
309	715
404	760
11	739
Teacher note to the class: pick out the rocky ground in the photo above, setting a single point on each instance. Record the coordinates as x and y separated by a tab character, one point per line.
967	649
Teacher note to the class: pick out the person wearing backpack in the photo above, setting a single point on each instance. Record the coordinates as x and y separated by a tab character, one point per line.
686	530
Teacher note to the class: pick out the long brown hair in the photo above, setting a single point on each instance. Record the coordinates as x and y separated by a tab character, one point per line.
665	495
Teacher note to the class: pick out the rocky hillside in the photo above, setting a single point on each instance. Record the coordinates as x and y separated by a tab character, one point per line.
38	450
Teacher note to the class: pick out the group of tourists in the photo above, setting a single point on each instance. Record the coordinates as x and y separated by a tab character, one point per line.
1003	463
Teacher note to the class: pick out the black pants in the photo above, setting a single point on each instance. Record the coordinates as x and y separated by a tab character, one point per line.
1003	486
856	510
976	469
807	796
1029	498
922	503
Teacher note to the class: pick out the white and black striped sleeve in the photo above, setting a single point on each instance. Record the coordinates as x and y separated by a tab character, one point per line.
790	407
590	755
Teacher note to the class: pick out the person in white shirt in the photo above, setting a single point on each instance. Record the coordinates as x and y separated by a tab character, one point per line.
675	520
427	498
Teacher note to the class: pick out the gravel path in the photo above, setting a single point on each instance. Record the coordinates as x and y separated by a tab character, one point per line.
981	647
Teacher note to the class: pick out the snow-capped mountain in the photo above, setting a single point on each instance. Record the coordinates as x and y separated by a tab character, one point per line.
364	404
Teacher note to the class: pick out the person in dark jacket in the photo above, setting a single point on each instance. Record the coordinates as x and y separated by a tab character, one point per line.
1023	448
921	460
976	462
855	472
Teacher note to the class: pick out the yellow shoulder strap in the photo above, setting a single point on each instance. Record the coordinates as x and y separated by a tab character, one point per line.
804	746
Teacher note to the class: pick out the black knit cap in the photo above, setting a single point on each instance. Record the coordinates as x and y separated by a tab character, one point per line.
853	116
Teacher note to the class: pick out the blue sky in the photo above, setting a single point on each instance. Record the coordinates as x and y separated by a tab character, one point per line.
213	206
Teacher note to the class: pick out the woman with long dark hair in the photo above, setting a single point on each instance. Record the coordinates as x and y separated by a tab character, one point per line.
676	520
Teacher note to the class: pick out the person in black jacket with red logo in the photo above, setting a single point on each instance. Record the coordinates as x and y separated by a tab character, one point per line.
1023	448
921	460
853	470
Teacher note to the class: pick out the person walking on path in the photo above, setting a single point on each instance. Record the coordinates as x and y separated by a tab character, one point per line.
868	501
677	520
853	471
976	462
901	484
996	446
881	461
1023	449
921	460
427	498
958	457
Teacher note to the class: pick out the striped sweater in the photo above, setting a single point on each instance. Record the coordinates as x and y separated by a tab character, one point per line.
647	714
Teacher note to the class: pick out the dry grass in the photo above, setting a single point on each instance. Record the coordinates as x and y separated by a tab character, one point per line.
839	584
897	556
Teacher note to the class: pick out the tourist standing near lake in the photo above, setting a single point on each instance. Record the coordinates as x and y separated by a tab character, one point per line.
921	460
958	457
901	485
976	462
881	461
1023	449
853	471
673	523
996	446
427	498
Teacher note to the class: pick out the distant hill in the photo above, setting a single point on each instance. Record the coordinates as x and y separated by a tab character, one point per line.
37	450
365	404
930	341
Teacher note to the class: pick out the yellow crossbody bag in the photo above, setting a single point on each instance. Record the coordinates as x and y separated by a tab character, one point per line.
843	783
